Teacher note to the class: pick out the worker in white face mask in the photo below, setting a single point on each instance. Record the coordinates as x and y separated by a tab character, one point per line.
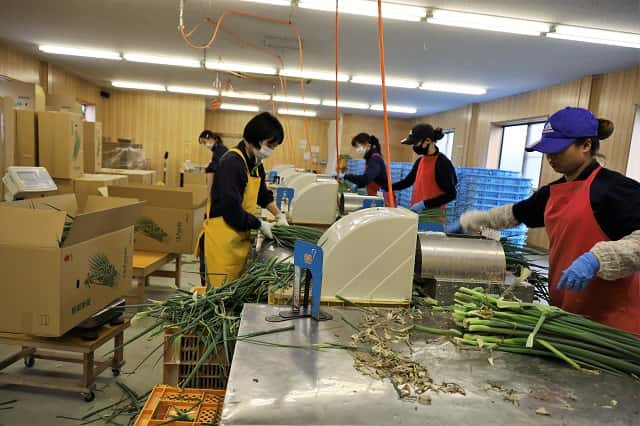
239	187
375	172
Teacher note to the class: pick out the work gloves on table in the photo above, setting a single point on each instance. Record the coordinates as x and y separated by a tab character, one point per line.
418	207
580	273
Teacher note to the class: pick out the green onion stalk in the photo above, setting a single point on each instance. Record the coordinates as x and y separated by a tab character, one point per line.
286	236
518	258
540	330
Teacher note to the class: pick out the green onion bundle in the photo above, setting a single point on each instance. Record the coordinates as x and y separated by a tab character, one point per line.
518	258
541	330
286	236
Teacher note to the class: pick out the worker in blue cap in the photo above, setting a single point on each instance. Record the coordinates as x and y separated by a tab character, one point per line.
592	218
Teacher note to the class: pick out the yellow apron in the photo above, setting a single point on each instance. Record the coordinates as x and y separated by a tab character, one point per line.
226	249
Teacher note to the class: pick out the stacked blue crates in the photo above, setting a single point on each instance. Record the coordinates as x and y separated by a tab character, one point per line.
484	189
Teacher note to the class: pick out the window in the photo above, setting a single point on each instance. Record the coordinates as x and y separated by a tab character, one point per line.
513	155
445	145
633	165
88	111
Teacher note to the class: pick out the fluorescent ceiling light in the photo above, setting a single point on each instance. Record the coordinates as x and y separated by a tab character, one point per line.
313	75
588	35
395	108
75	51
239	107
368	8
193	90
390	82
487	22
249	68
303	113
453	88
296	100
246	95
162	60
272	2
345	104
137	85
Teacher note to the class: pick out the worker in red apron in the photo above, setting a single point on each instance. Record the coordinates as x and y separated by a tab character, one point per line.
592	218
375	172
433	176
238	189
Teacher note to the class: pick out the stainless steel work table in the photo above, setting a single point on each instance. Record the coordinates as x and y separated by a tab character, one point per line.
291	386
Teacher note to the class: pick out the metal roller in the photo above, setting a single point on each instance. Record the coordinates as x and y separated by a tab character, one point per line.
459	258
350	202
270	250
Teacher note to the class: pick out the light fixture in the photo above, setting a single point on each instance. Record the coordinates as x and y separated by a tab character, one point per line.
313	75
271	2
390	82
368	8
300	112
239	107
296	100
193	90
76	51
453	88
246	95
487	22
395	108
232	66
589	35
138	85
162	60
345	104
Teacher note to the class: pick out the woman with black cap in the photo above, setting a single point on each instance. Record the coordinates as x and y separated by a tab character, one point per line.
238	189
375	172
592	218
433	176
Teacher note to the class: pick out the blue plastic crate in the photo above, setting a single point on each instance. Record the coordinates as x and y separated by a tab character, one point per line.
434	227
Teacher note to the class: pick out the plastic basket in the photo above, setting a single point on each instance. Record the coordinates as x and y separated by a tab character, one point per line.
203	406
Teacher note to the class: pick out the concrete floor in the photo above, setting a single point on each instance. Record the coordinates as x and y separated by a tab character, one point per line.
40	407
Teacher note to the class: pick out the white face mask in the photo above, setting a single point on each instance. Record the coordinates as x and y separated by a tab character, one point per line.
265	152
361	150
209	145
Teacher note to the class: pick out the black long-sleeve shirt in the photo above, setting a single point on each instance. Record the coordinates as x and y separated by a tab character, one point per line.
446	179
615	201
376	171
218	151
228	189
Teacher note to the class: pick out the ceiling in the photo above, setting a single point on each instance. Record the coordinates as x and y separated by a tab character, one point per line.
505	64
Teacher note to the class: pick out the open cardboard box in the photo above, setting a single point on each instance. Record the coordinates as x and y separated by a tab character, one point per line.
138	177
95	184
54	279
171	218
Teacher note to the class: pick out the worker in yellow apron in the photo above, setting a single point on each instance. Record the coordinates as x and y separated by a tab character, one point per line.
239	187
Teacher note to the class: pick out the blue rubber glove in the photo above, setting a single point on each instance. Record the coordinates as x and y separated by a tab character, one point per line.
580	273
454	228
418	207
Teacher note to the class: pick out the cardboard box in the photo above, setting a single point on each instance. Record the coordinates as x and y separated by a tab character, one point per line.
25	95
60	147
7	137
95	184
65	103
65	186
136	177
171	219
92	147
78	272
26	153
195	178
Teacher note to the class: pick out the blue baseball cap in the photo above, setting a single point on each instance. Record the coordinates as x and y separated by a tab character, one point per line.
563	128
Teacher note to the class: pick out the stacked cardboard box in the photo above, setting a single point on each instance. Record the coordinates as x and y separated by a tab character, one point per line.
95	184
92	147
60	149
82	264
137	177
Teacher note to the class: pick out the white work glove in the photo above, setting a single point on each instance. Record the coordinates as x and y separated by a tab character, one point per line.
496	218
282	220
265	228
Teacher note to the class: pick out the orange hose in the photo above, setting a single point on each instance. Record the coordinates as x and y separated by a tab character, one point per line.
392	201
337	37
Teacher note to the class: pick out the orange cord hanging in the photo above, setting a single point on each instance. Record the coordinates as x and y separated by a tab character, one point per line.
337	37
392	201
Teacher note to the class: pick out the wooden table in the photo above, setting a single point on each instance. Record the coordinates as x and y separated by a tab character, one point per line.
69	348
147	264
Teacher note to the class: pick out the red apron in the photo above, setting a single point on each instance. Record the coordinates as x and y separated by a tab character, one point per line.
573	230
372	187
425	186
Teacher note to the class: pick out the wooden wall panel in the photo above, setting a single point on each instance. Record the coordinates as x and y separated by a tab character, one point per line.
291	151
18	65
160	122
459	120
398	130
60	82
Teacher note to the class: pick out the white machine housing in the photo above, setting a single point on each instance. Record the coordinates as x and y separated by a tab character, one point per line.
22	181
315	203
369	256
300	181
286	174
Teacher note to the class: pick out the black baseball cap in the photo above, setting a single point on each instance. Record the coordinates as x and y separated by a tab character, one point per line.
419	133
